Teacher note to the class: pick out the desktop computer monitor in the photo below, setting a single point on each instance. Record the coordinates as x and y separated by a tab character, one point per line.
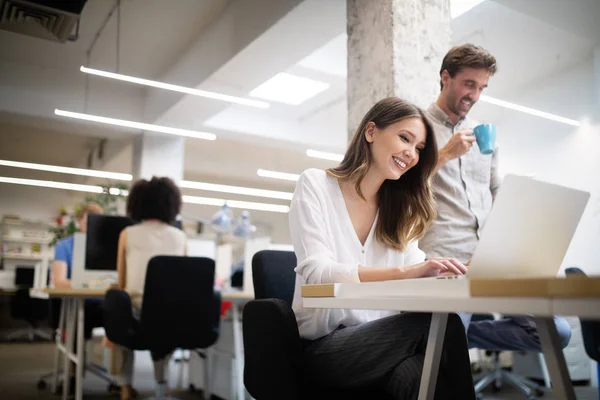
95	253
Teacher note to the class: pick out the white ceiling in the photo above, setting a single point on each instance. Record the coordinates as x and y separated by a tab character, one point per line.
532	42
153	34
544	50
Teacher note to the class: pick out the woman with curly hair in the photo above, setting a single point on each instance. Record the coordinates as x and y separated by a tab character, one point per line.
154	204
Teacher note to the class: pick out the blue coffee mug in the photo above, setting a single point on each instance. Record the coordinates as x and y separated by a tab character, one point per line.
486	137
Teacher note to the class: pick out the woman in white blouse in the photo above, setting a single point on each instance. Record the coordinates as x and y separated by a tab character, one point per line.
360	222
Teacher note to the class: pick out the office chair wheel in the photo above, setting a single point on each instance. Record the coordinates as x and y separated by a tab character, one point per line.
496	387
41	384
113	388
539	392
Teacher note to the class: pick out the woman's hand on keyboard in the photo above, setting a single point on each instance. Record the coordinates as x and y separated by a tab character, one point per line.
436	266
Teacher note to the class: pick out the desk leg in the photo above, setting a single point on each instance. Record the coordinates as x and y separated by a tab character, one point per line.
238	352
69	333
79	353
58	341
435	342
555	359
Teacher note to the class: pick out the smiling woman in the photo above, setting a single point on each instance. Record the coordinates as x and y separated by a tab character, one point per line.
360	222
393	138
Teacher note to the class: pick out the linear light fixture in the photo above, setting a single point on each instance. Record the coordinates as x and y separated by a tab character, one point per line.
68	170
265	173
52	184
213	187
324	155
248	205
115	191
136	125
527	110
176	88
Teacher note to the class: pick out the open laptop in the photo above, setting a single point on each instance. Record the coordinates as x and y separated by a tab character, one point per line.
529	229
527	234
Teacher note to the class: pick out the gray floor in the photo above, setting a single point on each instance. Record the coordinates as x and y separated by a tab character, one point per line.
22	364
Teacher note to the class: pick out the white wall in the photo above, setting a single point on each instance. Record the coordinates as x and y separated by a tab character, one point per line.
559	153
35	203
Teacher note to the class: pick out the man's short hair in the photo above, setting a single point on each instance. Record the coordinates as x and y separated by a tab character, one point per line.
467	56
89	208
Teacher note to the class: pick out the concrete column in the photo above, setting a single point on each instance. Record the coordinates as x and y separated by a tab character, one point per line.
395	48
155	155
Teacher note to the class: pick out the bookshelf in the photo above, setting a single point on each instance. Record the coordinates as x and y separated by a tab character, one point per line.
24	242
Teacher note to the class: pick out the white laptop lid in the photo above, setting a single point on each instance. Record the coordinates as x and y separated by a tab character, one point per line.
529	229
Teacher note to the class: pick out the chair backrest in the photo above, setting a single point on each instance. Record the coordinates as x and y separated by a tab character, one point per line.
24	277
22	305
180	307
590	329
273	275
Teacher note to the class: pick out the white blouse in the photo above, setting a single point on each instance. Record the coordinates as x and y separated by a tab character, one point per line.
146	240
329	251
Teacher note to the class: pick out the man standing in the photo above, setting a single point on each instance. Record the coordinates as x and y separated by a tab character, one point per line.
464	185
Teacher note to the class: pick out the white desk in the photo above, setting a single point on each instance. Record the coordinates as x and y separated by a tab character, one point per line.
542	308
71	322
72	314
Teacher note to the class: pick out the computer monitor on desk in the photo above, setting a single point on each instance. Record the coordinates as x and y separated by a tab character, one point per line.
95	253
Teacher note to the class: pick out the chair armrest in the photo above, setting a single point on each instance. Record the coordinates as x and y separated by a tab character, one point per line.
217	311
590	331
272	350
120	325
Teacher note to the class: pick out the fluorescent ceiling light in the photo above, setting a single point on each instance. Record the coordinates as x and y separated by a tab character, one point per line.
128	177
137	125
52	184
118	192
324	155
459	7
176	88
236	190
67	170
187	199
248	205
527	110
277	175
289	89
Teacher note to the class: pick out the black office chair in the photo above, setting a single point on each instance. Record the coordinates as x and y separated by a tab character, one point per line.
590	329
180	310
272	344
24	307
497	375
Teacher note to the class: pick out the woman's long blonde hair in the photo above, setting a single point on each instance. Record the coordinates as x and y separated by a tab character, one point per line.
406	205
